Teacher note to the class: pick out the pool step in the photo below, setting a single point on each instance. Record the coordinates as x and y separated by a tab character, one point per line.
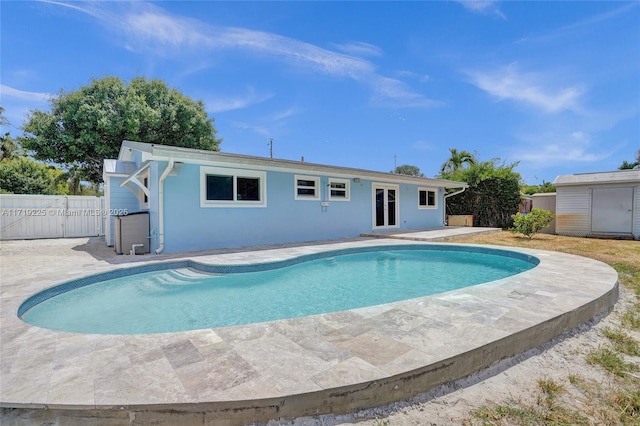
191	273
178	277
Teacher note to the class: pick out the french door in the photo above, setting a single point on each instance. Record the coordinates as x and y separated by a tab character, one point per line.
385	206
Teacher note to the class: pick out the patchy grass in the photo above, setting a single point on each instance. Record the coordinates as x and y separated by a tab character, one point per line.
624	254
607	405
622	342
613	403
611	361
631	318
627	405
550	392
549	409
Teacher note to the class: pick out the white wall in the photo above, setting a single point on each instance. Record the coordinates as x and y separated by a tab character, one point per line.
573	211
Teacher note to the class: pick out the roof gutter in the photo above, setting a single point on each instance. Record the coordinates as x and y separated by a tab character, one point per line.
216	158
444	209
164	175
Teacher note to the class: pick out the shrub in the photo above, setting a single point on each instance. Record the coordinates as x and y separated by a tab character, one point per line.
493	194
531	223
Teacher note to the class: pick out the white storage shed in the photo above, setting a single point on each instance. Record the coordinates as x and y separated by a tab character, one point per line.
599	204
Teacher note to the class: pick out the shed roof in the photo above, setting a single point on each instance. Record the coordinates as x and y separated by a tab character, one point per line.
198	156
599	178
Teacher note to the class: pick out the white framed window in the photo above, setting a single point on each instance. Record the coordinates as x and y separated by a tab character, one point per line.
306	187
427	198
221	187
339	189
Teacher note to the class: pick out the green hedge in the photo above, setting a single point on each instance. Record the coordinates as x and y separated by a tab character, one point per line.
491	201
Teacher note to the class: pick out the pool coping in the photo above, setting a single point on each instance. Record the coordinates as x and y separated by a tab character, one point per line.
329	363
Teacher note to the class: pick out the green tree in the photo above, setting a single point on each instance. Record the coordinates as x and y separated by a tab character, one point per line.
531	223
529	189
88	125
457	160
493	195
546	187
21	175
627	165
9	147
408	170
538	189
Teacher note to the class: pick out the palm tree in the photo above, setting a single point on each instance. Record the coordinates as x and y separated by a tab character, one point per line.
457	160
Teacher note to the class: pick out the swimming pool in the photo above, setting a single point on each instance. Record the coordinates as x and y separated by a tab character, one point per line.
187	295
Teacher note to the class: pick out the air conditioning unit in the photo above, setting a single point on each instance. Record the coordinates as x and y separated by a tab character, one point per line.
129	230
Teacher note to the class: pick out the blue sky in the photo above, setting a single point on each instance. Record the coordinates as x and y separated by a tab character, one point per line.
553	85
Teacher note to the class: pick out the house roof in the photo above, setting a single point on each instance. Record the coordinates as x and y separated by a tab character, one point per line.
600	178
116	167
198	156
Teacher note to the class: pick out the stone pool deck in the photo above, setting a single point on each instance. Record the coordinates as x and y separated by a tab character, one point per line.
330	363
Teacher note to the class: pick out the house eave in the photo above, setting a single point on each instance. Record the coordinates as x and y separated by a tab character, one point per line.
117	168
196	156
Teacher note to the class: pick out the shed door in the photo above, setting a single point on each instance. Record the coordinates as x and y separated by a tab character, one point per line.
612	210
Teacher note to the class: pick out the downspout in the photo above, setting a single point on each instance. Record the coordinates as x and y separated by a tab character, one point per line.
444	208
164	175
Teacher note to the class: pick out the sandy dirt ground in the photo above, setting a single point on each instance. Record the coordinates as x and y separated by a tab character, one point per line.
512	379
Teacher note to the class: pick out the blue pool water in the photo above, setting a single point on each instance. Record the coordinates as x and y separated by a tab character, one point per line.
187	298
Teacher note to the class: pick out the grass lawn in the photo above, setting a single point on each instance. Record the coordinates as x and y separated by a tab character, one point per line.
614	403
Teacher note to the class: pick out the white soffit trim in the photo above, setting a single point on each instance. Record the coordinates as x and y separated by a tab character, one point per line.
221	159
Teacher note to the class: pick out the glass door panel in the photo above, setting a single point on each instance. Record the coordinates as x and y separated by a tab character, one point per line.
380	206
391	207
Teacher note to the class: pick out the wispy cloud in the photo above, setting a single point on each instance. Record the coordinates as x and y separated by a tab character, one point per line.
395	93
558	149
487	7
147	27
291	51
582	25
284	114
261	130
230	103
414	75
359	49
275	122
88	8
528	88
17	104
21	95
